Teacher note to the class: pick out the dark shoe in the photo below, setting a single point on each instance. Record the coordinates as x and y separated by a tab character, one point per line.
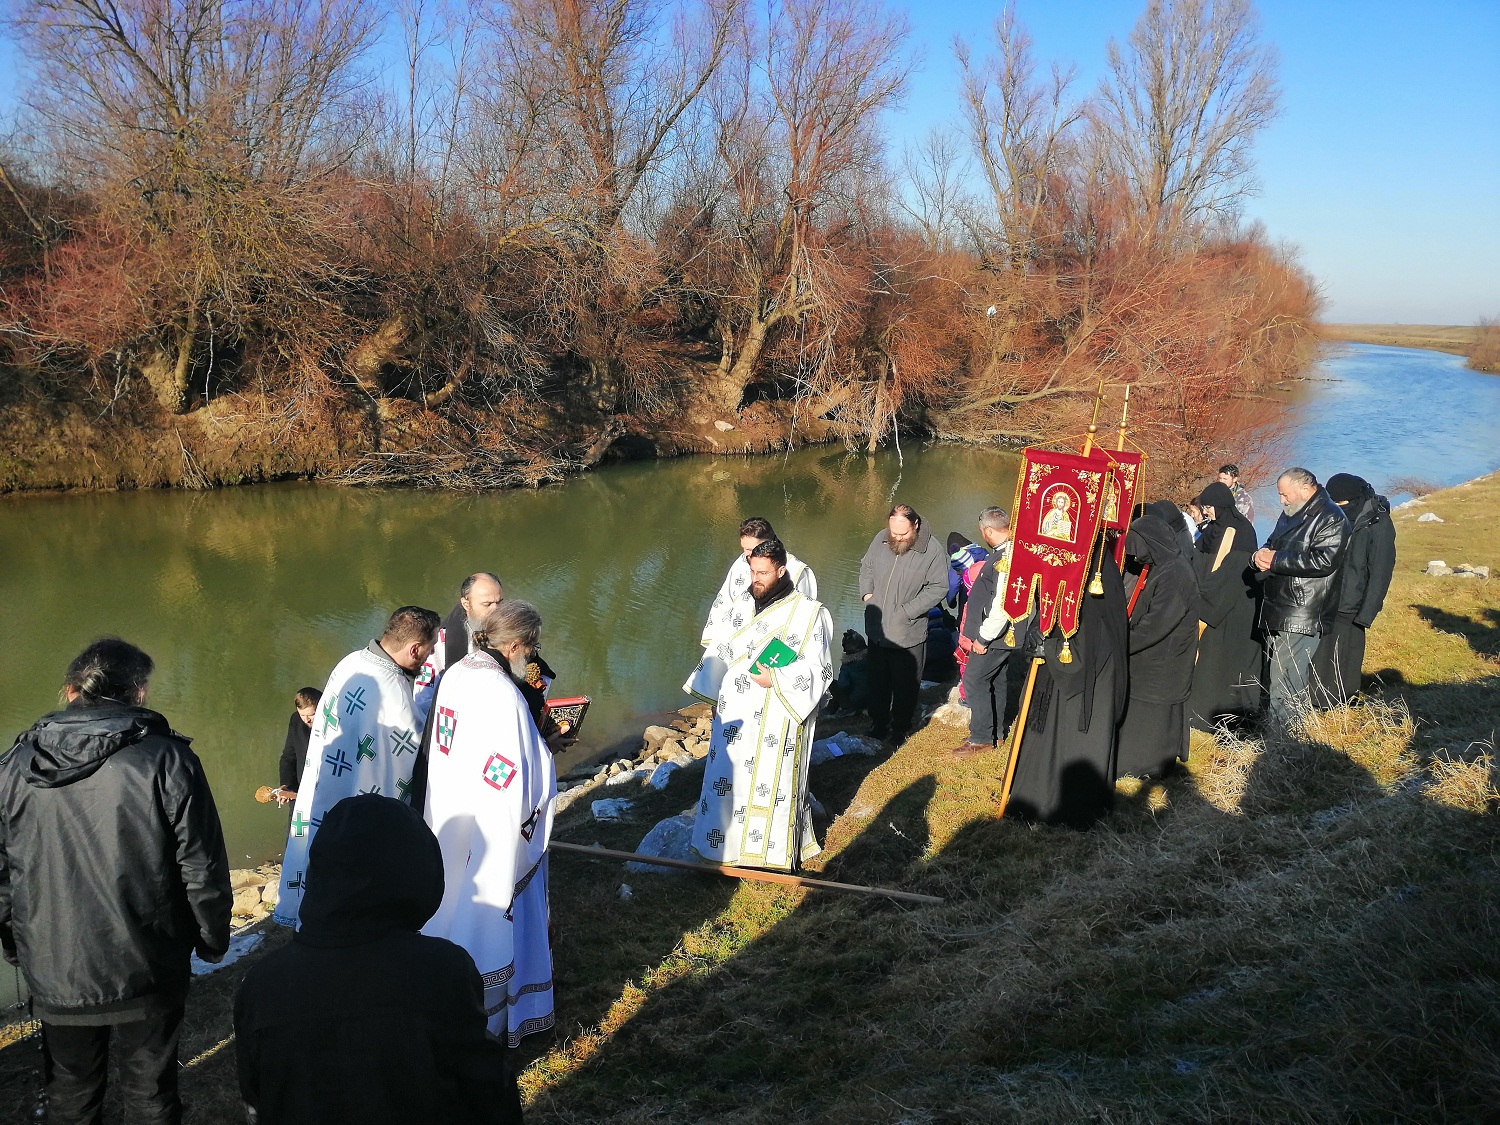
880	733
969	749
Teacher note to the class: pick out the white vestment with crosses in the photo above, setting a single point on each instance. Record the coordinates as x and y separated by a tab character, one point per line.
491	787
734	605
754	809
364	739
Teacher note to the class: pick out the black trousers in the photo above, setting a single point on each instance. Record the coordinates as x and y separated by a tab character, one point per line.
985	689
895	678
1337	663
146	1054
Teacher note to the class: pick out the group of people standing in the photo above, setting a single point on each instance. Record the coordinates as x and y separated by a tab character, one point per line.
422	785
1202	628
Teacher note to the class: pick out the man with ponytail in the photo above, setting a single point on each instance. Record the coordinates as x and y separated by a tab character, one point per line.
112	873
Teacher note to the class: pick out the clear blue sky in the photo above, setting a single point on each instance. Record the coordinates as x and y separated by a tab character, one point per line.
1383	170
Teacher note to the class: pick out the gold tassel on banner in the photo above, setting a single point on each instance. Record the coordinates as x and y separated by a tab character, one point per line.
1066	655
1096	586
1010	637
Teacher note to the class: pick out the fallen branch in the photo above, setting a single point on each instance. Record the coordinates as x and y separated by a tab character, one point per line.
752	873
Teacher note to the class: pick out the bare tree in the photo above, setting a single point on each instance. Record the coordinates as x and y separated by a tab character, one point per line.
795	130
935	174
1183	104
1019	127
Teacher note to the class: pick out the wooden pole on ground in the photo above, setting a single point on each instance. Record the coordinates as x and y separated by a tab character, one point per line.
751	873
1015	739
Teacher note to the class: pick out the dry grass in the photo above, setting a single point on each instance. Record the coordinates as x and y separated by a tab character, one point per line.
1481	342
1299	928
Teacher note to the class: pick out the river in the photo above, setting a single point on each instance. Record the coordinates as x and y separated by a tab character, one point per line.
244	595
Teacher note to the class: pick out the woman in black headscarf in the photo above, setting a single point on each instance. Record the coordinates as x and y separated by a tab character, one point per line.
1163	642
1226	684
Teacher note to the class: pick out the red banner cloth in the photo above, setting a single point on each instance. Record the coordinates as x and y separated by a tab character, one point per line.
1059	502
1127	479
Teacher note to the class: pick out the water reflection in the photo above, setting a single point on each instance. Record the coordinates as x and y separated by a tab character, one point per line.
244	595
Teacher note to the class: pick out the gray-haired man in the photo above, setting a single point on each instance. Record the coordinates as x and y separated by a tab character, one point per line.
985	625
1300	569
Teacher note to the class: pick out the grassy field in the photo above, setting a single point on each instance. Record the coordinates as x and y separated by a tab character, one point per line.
1301	929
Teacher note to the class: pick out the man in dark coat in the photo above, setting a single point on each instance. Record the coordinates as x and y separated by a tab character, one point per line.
112	873
1065	770
1226	681
1368	567
1163	645
986	626
1299	569
903	574
361	1018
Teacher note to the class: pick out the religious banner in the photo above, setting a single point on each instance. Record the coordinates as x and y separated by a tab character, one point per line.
1124	482
1059	504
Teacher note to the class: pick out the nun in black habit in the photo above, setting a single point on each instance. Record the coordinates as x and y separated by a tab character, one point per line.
1065	771
1163	643
1226	683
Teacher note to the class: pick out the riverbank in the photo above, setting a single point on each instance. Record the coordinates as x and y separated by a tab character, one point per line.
1456	339
1295	930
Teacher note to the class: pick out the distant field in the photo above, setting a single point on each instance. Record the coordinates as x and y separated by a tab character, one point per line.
1456	338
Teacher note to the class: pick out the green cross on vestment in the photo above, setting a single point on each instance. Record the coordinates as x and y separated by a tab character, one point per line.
366	748
299	826
330	713
404	788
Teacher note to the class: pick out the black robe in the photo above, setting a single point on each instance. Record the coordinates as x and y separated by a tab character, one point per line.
1163	644
360	1018
294	752
1065	771
1226	683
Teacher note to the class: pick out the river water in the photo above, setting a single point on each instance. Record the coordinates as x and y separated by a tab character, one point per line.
244	595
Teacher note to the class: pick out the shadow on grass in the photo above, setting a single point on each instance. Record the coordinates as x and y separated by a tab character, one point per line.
1483	635
1317	952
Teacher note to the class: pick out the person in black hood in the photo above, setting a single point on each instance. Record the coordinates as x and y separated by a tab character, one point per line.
1368	566
1065	768
1163	645
1226	681
1175	518
361	1018
112	873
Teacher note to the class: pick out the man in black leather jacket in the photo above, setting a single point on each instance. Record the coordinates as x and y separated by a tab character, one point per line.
112	872
1299	569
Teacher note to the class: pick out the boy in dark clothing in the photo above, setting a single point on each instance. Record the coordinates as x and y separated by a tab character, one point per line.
294	751
361	1018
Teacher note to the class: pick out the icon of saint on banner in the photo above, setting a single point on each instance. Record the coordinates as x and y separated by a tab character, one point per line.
1111	502
1057	523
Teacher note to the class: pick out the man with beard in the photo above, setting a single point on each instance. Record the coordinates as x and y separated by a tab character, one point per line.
1366	577
1163	643
754	809
479	595
734	605
903	575
1299	569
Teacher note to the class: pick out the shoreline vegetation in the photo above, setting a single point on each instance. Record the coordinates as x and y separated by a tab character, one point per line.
1300	927
566	233
1479	342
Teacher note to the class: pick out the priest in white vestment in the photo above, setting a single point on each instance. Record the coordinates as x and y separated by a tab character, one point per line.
735	605
364	738
754	809
491	785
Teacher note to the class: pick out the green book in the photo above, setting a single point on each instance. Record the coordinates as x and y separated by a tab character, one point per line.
776	654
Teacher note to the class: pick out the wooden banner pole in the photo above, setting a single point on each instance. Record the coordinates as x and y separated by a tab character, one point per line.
1015	741
1124	412
752	874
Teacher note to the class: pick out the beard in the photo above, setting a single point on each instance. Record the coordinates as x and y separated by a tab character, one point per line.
901	546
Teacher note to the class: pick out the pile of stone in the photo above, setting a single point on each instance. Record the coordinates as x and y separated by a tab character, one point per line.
1437	568
664	749
254	893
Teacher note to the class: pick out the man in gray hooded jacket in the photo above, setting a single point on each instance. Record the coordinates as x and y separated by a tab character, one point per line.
903	575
